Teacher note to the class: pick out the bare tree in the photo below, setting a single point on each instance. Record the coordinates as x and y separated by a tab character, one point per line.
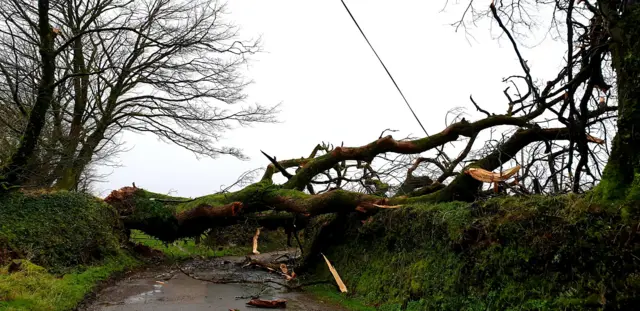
13	169
160	67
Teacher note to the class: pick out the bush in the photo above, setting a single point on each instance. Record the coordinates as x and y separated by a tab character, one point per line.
57	230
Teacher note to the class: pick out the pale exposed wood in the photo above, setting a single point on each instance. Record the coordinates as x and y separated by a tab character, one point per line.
255	242
487	176
343	288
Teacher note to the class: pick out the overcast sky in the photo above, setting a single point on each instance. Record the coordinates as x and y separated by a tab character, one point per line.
333	89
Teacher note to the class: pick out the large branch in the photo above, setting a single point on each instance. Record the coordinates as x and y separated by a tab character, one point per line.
268	204
262	203
465	188
387	144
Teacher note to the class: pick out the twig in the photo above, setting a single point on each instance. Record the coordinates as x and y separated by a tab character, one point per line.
278	166
523	63
478	107
390	130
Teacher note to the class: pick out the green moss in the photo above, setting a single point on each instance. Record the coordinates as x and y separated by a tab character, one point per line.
33	288
534	253
59	229
252	194
213	200
622	174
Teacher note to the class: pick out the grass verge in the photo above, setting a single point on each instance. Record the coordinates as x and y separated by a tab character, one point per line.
214	246
32	287
325	292
185	249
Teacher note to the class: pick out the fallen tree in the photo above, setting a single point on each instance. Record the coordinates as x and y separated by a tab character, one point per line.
271	206
566	98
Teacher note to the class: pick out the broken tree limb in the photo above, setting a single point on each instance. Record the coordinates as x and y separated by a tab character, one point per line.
387	144
277	165
490	177
272	304
343	288
464	188
387	206
272	169
255	242
270	267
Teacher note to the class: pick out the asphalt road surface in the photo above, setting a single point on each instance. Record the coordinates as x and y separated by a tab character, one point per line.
189	287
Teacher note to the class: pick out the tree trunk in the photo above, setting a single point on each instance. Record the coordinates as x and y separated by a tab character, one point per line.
12	174
75	166
621	174
71	142
66	169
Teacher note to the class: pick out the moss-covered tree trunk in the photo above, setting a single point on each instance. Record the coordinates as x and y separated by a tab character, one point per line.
623	169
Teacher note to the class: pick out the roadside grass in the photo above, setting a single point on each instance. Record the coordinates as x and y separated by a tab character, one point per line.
185	249
32	287
329	293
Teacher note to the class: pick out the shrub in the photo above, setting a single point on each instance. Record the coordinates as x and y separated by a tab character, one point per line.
58	230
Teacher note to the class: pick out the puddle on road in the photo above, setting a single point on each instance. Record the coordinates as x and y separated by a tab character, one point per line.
170	289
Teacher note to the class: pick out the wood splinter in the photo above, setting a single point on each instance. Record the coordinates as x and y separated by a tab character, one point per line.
343	288
255	242
483	175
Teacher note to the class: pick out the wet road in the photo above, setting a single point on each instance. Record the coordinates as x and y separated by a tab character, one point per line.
168	288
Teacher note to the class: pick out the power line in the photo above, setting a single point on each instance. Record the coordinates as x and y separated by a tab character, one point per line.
385	67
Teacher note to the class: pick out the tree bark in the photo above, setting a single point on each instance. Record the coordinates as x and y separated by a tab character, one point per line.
621	175
13	172
67	169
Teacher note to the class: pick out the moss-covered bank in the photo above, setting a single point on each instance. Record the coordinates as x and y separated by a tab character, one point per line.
55	247
33	287
57	230
536	253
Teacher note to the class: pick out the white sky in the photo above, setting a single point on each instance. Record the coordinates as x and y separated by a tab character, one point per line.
333	89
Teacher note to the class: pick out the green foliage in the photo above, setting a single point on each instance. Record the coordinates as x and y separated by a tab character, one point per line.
234	240
58	230
536	253
148	208
33	288
180	250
